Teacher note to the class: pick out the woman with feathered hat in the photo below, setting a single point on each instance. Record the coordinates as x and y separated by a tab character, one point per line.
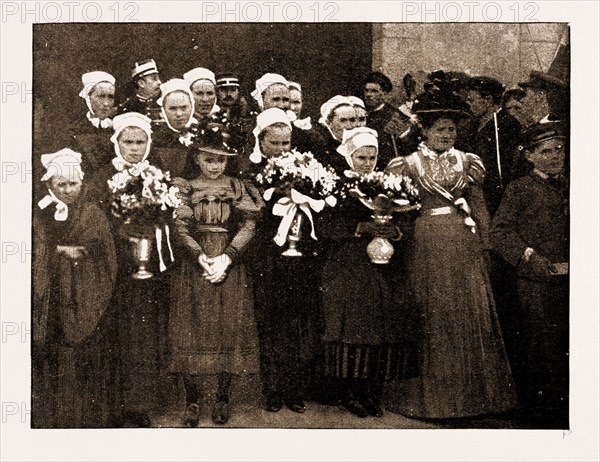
464	370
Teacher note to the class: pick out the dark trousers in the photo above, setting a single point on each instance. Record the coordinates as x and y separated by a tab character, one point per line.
542	373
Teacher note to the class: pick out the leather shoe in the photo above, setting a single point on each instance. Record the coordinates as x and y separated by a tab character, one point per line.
296	405
356	408
220	413
274	404
372	408
191	415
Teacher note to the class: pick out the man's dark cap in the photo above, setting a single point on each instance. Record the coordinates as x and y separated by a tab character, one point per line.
534	135
380	78
542	81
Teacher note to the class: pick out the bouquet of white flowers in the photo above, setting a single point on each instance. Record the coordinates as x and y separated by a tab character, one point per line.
145	199
142	193
302	184
384	193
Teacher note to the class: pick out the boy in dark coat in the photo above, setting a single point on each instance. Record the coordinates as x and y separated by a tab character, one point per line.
530	231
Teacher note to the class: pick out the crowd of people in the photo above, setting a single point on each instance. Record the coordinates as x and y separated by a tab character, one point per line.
469	318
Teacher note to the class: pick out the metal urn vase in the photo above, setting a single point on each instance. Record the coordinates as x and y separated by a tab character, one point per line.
141	249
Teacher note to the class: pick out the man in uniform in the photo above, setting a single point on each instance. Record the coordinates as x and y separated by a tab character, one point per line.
493	136
230	99
147	82
545	98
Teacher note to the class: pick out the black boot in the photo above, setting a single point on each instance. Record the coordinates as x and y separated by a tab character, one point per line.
352	401
191	415
220	413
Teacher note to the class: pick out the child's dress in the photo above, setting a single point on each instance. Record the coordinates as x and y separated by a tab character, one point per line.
212	326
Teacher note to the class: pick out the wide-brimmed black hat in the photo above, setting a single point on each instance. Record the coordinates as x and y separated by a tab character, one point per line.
536	134
542	81
440	103
213	141
441	97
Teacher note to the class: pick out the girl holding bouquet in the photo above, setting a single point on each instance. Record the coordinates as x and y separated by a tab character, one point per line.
364	320
143	303
463	365
286	287
211	323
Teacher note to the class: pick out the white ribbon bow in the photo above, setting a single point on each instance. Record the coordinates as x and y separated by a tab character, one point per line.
187	139
287	207
462	204
96	122
62	210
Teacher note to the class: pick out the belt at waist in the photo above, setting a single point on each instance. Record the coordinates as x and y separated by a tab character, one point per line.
440	210
211	229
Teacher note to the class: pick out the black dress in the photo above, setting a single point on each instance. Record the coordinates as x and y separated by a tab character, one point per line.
75	347
286	298
142	313
369	323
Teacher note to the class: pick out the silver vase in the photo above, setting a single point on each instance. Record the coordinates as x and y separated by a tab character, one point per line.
293	237
141	249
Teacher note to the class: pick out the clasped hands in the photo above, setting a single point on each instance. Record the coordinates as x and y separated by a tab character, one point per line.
215	268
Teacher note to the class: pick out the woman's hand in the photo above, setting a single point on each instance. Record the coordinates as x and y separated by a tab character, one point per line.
72	252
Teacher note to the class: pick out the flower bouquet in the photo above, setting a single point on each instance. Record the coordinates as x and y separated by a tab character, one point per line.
145	199
306	186
385	194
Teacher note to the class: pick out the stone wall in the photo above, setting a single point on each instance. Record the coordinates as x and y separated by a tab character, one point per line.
506	51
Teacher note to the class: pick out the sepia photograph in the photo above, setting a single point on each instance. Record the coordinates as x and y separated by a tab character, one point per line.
297	217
